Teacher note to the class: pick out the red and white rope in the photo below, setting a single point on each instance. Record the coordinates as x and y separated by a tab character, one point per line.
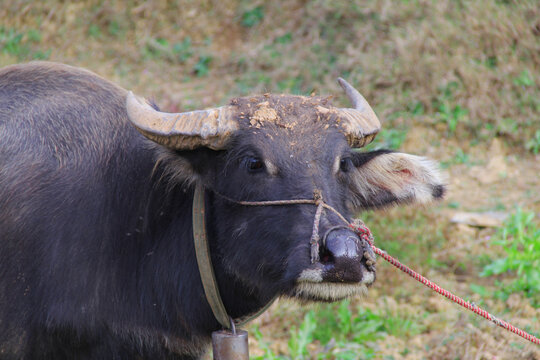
365	234
363	231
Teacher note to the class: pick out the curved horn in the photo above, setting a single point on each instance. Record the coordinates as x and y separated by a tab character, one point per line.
361	124
182	131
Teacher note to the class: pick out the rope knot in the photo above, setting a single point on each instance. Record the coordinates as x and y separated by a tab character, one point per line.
317	196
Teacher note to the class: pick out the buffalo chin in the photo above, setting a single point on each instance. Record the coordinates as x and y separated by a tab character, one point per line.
310	286
328	292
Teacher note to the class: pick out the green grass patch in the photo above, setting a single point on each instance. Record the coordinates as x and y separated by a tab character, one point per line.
460	157
252	16
343	331
520	241
407	235
22	44
202	67
533	145
389	138
176	53
447	111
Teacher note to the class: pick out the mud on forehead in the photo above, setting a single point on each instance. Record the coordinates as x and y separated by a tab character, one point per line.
295	121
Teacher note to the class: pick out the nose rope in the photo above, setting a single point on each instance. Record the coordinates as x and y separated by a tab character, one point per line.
202	249
365	234
317	201
289	202
315	238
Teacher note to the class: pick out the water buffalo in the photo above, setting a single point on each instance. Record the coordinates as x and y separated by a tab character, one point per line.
96	189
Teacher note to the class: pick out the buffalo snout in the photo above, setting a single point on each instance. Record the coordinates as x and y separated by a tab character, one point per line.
346	258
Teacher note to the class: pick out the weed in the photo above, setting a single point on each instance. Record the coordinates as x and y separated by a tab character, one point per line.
300	338
284	39
19	44
252	17
114	28
11	41
343	331
520	240
533	145
480	290
448	113
42	55
524	79
202	67
391	138
251	80
183	49
179	52
506	126
94	31
268	353
460	157
416	108
291	85
453	205
33	35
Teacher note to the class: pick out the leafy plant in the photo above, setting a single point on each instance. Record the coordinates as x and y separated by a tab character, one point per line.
533	145
183	49
11	41
448	113
284	39
42	55
524	79
416	108
303	336
202	67
268	353
520	240
94	31
252	17
175	53
392	138
19	44
451	115
460	157
291	85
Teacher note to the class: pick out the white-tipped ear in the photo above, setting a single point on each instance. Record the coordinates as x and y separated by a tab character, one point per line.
393	178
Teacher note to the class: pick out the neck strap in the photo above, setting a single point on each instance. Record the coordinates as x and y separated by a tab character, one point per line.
206	270
204	262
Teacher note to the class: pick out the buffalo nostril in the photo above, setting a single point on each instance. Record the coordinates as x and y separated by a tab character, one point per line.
325	256
342	243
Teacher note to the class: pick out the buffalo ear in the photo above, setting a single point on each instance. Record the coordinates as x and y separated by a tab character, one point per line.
383	178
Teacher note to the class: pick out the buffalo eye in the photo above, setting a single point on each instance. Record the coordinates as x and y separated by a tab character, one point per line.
254	164
346	164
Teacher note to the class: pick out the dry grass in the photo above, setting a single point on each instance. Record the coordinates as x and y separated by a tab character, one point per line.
464	74
399	53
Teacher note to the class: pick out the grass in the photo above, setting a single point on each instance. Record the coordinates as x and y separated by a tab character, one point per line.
520	241
533	144
448	113
343	331
22	45
409	57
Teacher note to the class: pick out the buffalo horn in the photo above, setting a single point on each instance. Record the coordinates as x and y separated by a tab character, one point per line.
210	128
361	125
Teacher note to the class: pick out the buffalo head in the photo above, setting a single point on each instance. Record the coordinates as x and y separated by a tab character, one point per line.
281	147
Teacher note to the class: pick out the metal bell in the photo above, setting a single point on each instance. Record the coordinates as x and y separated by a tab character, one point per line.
230	345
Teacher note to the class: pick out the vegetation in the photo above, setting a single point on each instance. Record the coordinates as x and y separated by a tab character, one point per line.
520	240
455	80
